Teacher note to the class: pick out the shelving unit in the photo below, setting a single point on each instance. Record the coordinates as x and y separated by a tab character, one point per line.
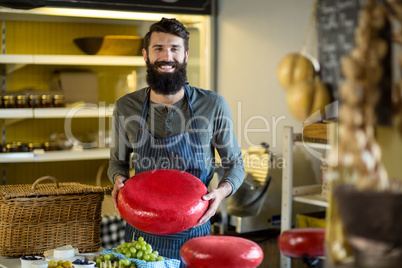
307	194
49	49
14	62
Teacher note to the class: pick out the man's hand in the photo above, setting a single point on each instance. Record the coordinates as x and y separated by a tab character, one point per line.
117	186
215	197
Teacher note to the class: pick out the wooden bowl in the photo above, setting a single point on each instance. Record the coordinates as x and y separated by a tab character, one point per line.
116	45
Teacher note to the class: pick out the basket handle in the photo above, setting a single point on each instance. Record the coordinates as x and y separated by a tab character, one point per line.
42	179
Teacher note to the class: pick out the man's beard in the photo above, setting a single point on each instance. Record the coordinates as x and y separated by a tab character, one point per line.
166	83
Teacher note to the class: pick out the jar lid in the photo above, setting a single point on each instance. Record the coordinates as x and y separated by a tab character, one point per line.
35	144
46	96
12	145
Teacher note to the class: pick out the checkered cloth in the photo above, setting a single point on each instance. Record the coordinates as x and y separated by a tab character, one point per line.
112	231
167	263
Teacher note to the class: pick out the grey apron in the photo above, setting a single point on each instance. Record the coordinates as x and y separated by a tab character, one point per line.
182	152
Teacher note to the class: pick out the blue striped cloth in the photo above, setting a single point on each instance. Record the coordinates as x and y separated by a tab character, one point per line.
167	263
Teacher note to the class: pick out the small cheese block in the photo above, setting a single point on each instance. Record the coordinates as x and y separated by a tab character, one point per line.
162	201
221	251
63	253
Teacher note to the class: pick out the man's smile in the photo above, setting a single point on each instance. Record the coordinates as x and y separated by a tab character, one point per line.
166	66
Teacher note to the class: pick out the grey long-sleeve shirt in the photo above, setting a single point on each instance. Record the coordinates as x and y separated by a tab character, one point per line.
214	119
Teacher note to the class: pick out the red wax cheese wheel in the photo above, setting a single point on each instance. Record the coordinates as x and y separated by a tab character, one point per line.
162	201
221	251
297	243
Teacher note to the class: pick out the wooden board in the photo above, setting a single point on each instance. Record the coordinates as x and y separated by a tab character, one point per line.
316	132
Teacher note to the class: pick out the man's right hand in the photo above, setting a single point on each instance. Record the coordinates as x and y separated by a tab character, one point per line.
117	186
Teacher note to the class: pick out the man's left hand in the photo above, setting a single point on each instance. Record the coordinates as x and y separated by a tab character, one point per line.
215	197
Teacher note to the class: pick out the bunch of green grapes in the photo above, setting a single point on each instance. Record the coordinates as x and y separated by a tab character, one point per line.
140	250
108	260
59	264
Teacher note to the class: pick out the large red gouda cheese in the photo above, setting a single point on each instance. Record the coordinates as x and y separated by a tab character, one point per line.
162	201
300	242
221	251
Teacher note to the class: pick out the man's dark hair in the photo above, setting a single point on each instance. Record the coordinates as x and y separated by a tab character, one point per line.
170	26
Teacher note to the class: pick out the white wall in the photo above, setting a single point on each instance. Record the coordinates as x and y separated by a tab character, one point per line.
253	36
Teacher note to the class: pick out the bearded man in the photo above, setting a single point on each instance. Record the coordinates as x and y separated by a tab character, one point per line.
148	122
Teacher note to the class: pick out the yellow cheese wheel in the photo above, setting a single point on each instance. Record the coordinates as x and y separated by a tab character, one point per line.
293	68
306	97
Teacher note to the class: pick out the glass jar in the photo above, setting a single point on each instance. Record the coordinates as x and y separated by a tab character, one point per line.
34	101
12	148
58	100
21	101
46	101
34	145
22	147
8	101
50	146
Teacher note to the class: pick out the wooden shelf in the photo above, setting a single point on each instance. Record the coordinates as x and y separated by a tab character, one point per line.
75	112
309	194
312	145
316	200
14	62
55	156
72	60
90	15
16	113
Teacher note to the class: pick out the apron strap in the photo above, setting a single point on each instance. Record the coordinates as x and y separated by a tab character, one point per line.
145	108
193	123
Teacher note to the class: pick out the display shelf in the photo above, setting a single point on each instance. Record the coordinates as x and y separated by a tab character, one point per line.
315	199
16	157
312	145
16	61
16	113
75	112
72	60
309	194
37	62
89	15
55	156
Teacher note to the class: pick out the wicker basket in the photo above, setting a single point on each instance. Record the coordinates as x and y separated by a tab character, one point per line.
38	217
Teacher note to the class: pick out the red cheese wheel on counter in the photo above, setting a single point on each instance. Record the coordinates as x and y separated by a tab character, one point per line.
300	242
162	201
221	251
